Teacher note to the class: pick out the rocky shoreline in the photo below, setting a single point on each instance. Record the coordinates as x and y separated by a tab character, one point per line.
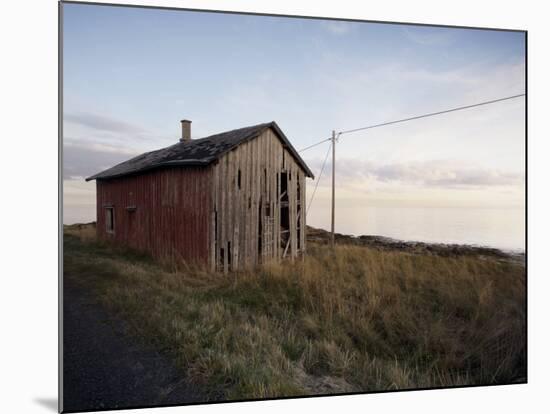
414	247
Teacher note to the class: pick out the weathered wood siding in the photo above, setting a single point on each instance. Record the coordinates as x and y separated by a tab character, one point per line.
245	222
164	212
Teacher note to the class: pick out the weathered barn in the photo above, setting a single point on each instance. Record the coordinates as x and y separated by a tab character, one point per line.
230	200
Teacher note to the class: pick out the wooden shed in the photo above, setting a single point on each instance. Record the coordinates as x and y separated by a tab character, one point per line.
230	200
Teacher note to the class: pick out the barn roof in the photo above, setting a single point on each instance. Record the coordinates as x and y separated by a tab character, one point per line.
197	152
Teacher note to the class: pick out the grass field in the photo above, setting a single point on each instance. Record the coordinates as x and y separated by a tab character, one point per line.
358	319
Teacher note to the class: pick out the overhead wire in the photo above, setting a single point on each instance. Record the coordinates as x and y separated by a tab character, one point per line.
460	108
314	145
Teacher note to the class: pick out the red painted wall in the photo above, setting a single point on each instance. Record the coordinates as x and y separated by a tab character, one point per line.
171	216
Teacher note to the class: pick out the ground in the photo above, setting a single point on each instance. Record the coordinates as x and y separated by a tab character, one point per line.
372	315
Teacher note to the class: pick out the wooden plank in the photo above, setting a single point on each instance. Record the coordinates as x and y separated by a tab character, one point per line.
219	207
254	195
230	194
303	212
212	230
223	211
273	180
268	232
244	206
286	248
250	240
278	168
263	183
257	199
248	207
236	210
240	216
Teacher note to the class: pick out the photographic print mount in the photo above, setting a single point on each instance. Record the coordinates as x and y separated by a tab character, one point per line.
320	356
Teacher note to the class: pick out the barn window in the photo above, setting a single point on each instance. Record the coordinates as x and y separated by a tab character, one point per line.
239	179
110	219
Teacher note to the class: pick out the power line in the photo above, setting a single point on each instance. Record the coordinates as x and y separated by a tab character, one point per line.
314	145
318	179
460	108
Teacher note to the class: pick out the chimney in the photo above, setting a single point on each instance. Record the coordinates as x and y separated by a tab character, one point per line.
185	130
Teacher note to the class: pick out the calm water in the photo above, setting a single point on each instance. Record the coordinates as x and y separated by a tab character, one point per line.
500	228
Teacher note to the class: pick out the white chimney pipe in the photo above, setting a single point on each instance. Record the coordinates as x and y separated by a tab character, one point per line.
185	130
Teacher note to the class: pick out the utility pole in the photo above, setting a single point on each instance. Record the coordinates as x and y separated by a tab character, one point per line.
333	187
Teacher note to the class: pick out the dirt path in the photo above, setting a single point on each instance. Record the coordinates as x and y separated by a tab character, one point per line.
104	367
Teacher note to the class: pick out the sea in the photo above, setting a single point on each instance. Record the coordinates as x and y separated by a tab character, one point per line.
501	228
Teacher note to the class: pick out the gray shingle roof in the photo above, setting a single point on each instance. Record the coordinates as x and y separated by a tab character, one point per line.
202	151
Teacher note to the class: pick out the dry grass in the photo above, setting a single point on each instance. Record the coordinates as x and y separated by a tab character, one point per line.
358	320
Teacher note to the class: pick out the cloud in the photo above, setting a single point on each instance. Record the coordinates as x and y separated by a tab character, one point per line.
81	159
445	174
107	134
103	123
441	174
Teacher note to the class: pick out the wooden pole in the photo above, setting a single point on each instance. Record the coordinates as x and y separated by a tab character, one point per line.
333	187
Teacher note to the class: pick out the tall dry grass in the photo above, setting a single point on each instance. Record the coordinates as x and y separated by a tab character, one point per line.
356	320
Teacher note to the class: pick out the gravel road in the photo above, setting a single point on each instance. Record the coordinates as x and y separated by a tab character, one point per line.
104	367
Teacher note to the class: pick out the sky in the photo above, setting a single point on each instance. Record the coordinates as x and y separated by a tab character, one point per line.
130	75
